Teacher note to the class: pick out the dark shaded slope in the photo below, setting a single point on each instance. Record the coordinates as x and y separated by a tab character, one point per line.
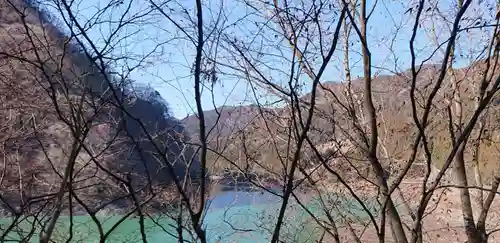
42	79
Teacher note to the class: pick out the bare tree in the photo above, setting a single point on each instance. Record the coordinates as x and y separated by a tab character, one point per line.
354	128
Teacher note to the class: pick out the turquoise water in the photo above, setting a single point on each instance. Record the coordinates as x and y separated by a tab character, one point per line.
232	216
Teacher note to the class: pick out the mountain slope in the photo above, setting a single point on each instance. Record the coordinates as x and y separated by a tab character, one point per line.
57	109
332	125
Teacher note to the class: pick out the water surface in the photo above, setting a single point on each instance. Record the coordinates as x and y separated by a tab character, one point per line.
232	216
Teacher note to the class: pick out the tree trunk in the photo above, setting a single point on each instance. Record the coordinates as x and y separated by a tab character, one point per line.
465	202
392	213
481	222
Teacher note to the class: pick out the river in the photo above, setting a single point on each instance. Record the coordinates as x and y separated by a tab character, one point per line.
233	216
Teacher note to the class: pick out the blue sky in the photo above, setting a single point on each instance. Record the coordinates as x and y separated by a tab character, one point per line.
168	67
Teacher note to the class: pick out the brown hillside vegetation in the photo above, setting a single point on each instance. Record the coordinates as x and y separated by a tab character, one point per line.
260	129
63	130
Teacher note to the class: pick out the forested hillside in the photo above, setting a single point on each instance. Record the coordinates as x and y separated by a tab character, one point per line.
64	118
247	133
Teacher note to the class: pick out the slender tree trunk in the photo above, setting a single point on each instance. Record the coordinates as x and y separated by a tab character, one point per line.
460	170
477	166
392	212
371	117
46	234
465	202
481	222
